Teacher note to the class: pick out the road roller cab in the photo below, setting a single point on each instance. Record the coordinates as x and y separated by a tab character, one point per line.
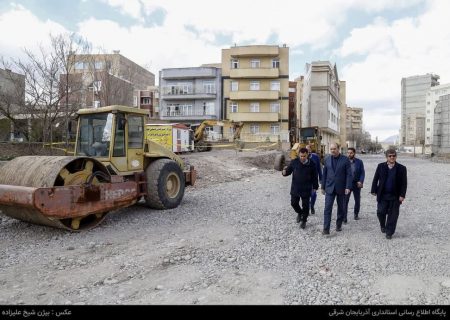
113	167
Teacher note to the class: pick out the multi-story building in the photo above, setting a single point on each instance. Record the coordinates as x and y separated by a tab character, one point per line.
256	91
354	127
190	95
12	95
149	100
343	114
441	136
413	101
432	98
321	103
299	98
292	111
109	79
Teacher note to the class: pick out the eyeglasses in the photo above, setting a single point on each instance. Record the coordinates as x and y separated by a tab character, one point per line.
392	156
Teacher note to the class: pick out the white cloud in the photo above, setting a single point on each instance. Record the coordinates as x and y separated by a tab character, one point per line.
390	51
22	29
129	7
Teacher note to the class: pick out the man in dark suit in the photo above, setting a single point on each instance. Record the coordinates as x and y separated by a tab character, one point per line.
304	180
314	157
358	174
389	185
336	184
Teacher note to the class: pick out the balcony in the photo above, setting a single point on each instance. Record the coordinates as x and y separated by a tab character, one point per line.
188	95
255	51
255	95
254	116
253	73
188	73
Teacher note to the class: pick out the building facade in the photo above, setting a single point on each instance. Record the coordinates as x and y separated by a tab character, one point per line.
12	96
109	79
441	126
354	128
321	103
190	95
413	103
432	98
256	91
148	100
292	111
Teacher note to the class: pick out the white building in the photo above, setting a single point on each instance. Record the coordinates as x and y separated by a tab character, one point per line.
432	99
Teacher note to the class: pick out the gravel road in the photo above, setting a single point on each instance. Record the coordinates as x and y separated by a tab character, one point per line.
234	240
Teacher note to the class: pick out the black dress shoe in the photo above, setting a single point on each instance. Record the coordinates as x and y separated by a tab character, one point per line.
383	230
338	228
388	236
325	232
313	211
303	224
299	218
345	221
356	217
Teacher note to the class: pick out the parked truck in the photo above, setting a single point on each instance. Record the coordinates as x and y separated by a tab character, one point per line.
114	165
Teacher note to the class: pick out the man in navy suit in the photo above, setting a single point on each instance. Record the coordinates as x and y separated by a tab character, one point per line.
304	181
336	184
358	174
389	185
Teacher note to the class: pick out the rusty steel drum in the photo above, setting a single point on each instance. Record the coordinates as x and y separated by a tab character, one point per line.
52	171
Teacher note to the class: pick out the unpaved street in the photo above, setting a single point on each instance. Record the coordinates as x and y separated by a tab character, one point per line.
234	240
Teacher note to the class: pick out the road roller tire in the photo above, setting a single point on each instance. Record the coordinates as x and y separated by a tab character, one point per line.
165	184
280	162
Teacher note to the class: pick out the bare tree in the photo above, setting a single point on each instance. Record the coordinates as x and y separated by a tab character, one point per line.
48	84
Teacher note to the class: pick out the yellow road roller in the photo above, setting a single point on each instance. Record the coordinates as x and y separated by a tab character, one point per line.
113	166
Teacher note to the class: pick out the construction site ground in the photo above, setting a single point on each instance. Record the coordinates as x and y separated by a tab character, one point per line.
234	240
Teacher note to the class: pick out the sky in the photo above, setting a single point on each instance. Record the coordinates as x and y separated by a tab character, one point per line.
374	43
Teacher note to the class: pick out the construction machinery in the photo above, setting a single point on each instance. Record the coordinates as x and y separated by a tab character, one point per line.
306	136
113	167
199	135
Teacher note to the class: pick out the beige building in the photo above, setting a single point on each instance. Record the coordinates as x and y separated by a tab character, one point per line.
321	105
354	128
110	79
256	91
432	99
343	114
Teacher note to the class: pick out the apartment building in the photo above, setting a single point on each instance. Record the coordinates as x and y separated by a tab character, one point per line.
432	99
321	104
12	95
190	95
148	100
354	128
441	126
256	91
108	79
343	114
292	111
413	103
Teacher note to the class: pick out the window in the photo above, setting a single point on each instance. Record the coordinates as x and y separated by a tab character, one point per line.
135	132
255	63
209	87
254	107
135	101
254	85
275	63
275	107
98	65
119	142
234	64
145	100
275	128
233	107
208	108
79	65
234	86
97	85
275	85
254	128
